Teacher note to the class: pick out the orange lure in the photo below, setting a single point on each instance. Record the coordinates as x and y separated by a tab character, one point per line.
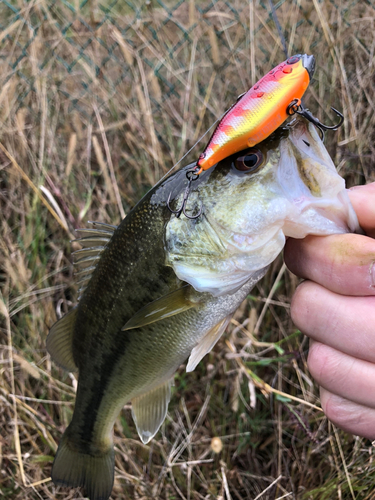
260	111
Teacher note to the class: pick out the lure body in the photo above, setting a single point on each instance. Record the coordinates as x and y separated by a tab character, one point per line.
260	111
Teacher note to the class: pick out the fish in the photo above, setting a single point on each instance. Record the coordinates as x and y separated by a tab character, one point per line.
259	111
159	290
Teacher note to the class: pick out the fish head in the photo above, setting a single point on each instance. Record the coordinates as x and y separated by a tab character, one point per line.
286	186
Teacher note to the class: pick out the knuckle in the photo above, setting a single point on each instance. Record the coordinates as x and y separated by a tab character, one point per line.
332	407
327	367
340	411
302	305
320	363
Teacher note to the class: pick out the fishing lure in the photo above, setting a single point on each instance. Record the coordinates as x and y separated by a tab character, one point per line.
256	114
259	111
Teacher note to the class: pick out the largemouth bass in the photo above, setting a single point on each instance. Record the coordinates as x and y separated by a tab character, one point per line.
158	290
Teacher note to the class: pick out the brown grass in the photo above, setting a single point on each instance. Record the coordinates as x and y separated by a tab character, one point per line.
95	106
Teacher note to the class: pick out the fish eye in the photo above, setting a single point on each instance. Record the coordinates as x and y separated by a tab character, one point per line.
250	162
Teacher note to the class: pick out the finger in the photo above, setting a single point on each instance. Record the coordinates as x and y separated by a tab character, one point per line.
343	263
348	377
363	201
344	323
351	417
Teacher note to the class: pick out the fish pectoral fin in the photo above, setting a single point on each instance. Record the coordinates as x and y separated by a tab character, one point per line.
173	303
150	409
207	343
60	341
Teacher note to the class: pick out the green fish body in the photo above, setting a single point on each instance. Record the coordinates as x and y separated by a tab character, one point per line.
158	290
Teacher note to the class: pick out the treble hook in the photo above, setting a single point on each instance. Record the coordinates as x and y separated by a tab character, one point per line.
294	107
191	176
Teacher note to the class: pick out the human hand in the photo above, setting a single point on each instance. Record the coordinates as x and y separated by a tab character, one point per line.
335	307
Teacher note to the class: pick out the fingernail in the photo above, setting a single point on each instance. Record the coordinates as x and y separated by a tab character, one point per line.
372	273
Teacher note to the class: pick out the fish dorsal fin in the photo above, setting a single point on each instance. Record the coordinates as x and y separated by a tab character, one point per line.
102	225
60	341
150	409
93	242
207	343
173	303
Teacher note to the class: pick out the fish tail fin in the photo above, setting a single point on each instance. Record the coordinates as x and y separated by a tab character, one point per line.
74	468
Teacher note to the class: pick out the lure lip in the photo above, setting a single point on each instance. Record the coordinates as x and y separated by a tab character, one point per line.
309	64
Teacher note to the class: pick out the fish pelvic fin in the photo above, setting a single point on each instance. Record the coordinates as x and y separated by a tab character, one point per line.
206	343
60	341
94	472
149	410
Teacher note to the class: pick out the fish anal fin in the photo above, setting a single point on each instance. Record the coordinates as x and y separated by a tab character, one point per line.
173	303
95	472
60	341
206	343
149	410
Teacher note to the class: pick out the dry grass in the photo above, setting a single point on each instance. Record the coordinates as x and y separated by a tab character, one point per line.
94	107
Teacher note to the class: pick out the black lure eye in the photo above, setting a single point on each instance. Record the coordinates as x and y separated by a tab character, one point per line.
293	59
249	162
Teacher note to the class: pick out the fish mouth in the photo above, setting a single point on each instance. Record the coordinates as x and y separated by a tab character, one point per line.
309	64
310	182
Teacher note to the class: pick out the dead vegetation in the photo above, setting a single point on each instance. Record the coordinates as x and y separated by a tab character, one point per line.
97	101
